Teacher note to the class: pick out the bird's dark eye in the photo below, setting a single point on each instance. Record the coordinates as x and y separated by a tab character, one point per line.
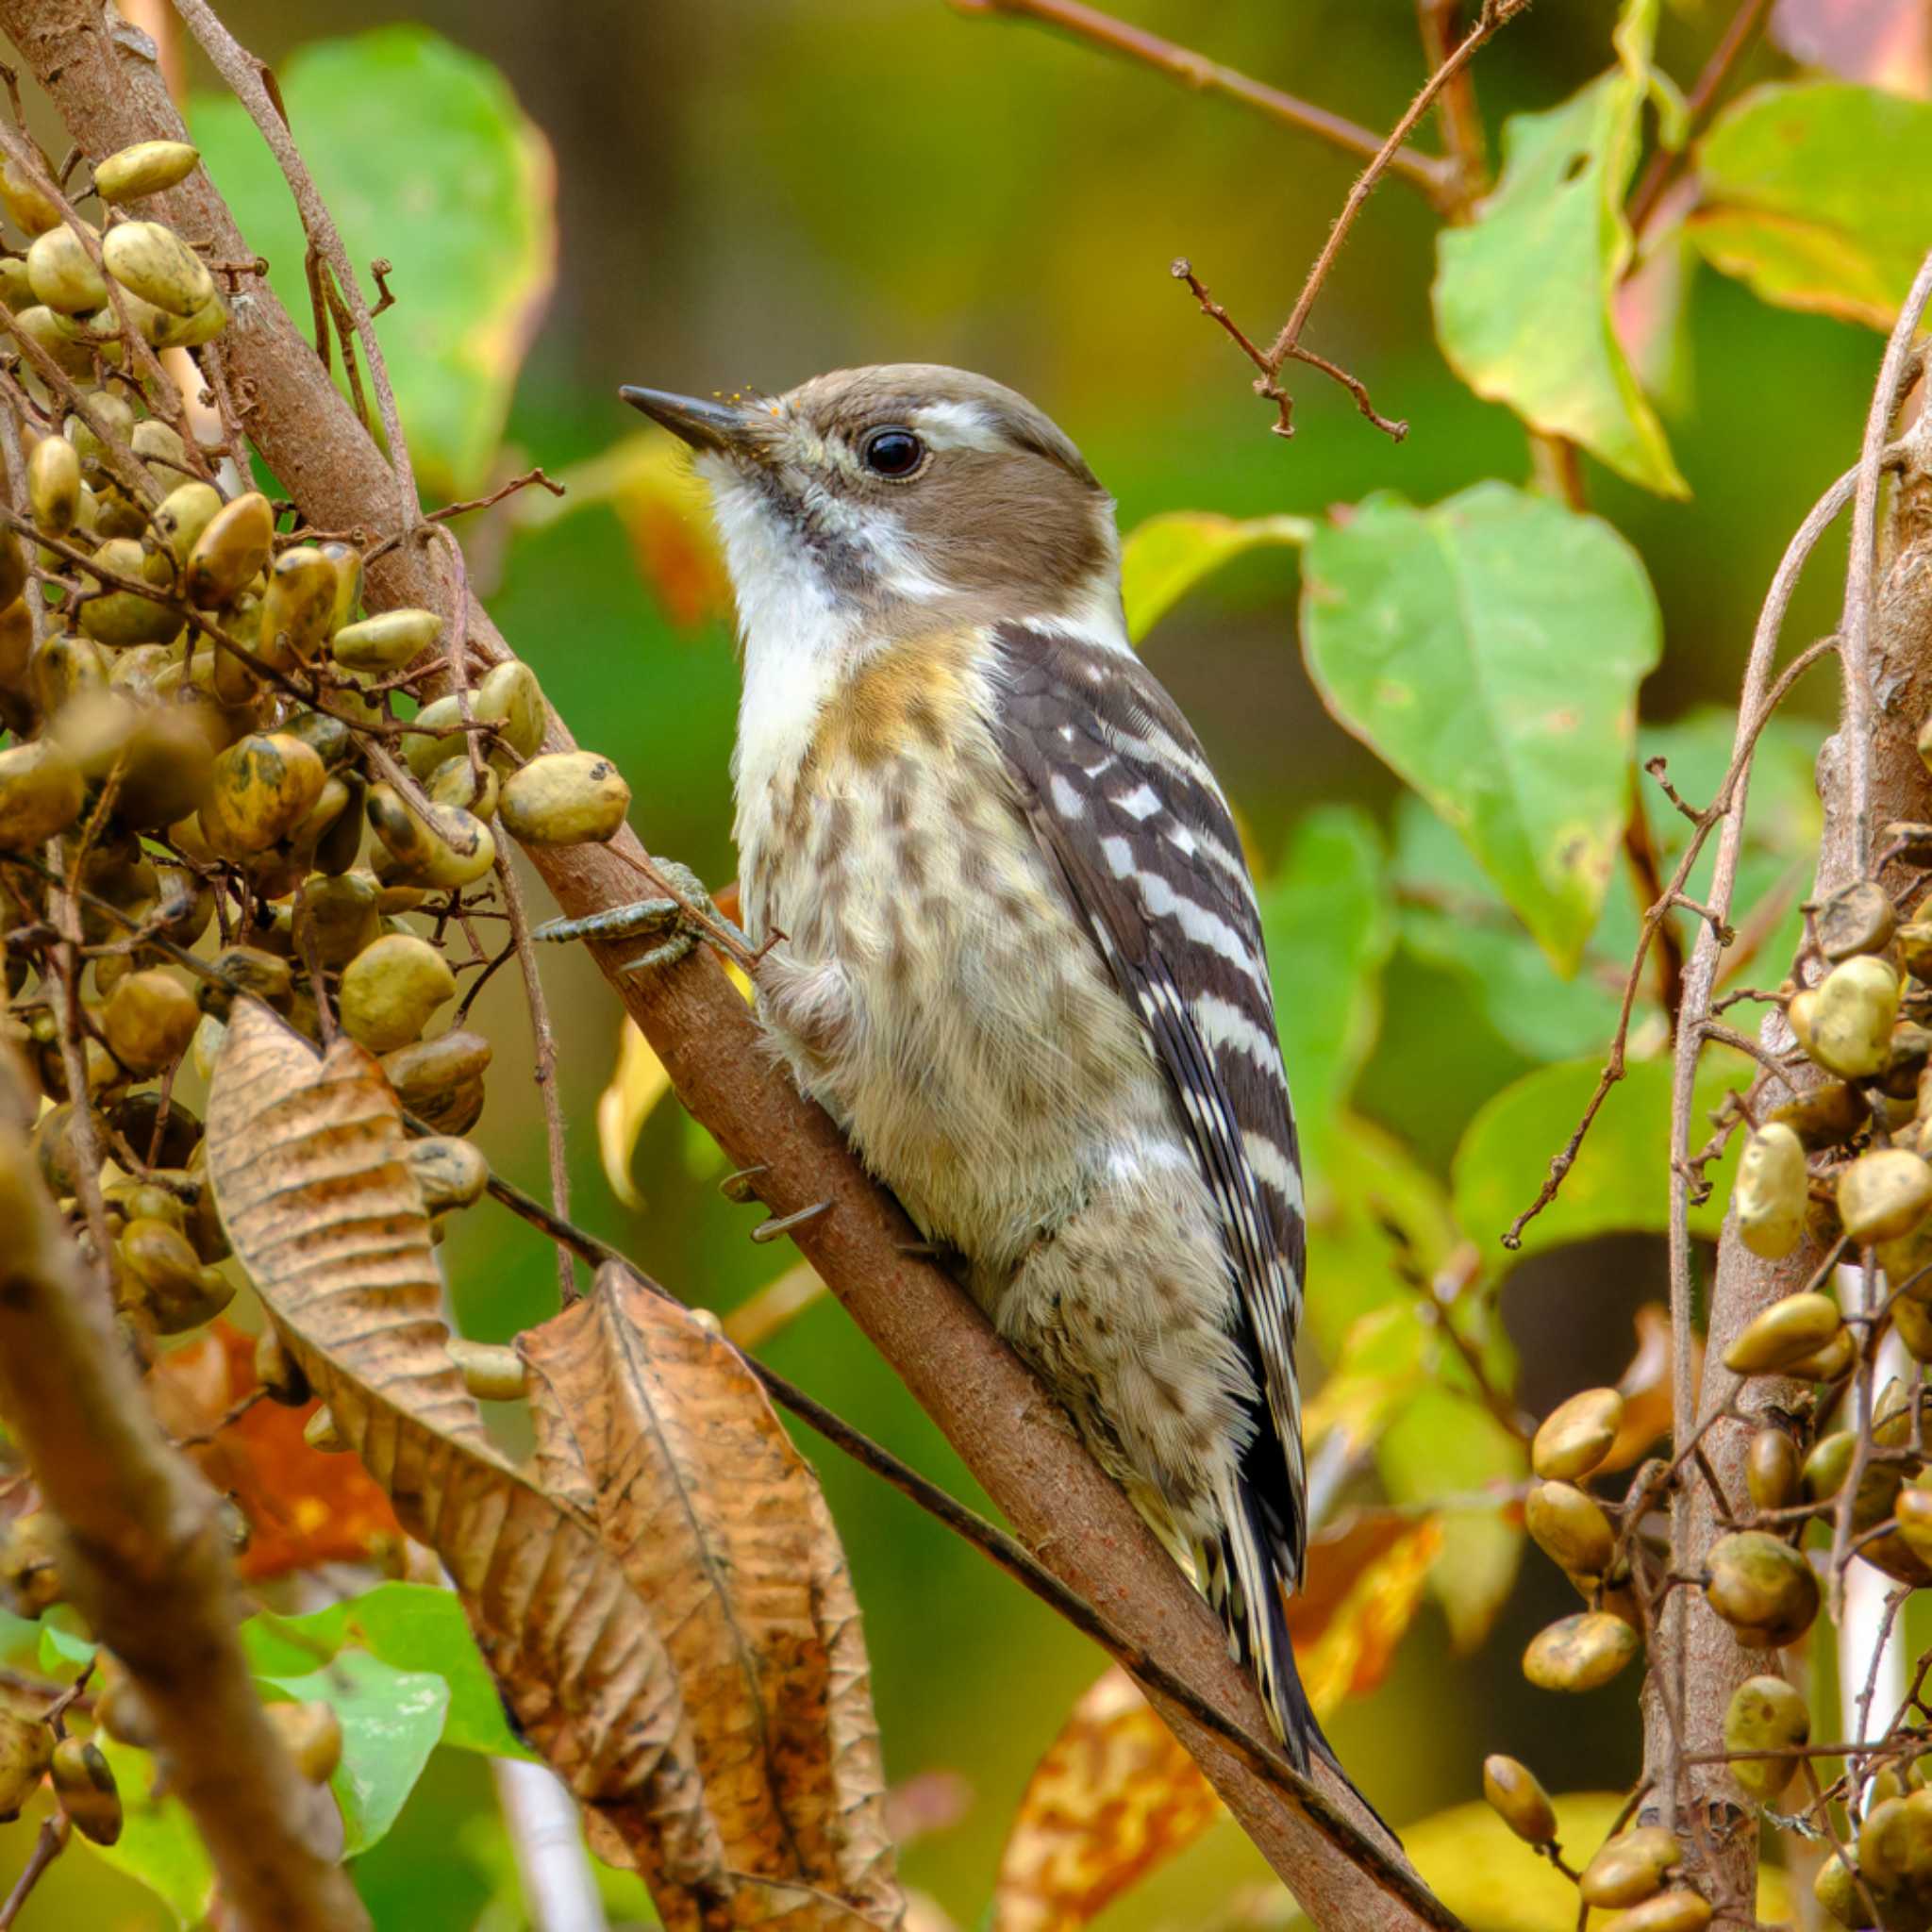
892	452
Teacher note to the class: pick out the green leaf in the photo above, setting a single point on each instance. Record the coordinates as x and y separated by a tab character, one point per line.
1163	559
1489	650
412	1626
1523	294
425	156
390	1721
158	1844
1326	917
1383	1233
1451	917
1621	1180
1819	194
1444	1444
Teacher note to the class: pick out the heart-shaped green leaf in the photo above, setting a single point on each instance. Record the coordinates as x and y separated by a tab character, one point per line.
425	157
1489	650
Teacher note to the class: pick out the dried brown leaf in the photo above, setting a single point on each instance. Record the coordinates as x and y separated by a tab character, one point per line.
1114	1797
306	1155
719	1524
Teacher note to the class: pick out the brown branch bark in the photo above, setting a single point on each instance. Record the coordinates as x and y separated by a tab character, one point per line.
1868	773
144	1555
996	1415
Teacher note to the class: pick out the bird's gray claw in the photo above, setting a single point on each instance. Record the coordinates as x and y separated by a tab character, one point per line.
665	920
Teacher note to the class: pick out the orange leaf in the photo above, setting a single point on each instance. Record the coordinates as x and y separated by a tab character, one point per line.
1353	1654
304	1506
1337	1559
1114	1797
1647	1387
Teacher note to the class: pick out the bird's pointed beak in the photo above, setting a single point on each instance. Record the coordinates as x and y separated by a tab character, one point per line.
706	425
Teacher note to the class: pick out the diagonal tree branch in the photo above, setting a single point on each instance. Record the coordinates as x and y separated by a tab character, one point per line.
145	1558
1429	173
108	91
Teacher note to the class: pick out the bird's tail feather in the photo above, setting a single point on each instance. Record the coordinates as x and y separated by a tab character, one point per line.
1247	1589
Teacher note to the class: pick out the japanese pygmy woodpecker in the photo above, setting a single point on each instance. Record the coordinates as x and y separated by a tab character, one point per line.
1021	962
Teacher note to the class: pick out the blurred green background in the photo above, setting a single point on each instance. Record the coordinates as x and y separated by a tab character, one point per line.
752	191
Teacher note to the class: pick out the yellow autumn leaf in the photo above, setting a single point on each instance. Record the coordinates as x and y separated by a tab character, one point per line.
638	1083
1114	1797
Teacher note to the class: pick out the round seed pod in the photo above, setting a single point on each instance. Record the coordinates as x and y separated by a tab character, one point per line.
31	1581
1829	1464
453	1174
164	330
92	728
123	1712
1884	1194
84	1783
1765	1714
385	641
445	848
336	916
31	207
1830	1362
1630	1867
493	1373
325	735
340	846
181	516
1762	1586
53	485
137	1118
347	562
233	546
149	1019
168	769
565	798
261	788
296	605
330	803
455	782
26	1747
150	261
1576	1435
1914	1511
159	446
41	794
1769	1195
311	1734
1784	1334
438	740
510	696
1570	1528
117	617
1884	1844
149	167
1837	1889
175	1289
320	1432
15	290
252	970
16	643
1519	1800
62	666
1579	1653
1772	1469
441	1080
1677	1910
61	273
1915	940
1851	1023
390	991
230	550
47	328
1859	918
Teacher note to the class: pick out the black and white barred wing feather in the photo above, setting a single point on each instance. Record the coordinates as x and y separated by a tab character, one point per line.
1125	806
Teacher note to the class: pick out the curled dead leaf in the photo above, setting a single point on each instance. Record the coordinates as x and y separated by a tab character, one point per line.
307	1159
657	1430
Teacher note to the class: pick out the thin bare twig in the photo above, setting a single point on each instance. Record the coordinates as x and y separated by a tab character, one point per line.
1709	84
1192	70
48	1845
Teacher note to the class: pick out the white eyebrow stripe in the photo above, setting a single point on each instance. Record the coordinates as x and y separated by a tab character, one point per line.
958	426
